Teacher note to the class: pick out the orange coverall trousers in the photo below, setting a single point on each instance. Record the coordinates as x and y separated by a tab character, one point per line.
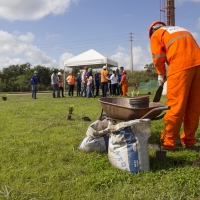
124	89
183	95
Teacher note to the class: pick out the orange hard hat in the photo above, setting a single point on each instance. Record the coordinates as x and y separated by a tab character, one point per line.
86	67
71	72
124	71
154	26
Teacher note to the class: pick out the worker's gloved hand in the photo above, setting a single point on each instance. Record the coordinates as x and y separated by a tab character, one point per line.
161	79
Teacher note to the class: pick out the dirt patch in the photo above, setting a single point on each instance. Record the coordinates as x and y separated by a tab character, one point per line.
196	163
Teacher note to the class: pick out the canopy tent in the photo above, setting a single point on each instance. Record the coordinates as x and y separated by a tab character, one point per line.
90	58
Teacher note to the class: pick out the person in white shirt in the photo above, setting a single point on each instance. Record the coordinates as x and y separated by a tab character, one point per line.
54	83
114	81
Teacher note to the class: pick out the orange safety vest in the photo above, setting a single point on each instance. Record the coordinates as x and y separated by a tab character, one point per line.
72	80
104	73
168	45
60	83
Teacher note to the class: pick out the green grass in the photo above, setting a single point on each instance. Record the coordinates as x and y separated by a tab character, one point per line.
40	157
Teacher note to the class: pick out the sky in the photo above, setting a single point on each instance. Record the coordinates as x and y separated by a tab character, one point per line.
49	32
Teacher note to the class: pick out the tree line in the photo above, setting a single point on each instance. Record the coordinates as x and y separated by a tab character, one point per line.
16	78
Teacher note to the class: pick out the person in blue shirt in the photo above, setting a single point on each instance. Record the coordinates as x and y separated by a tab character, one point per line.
120	74
97	82
78	80
34	82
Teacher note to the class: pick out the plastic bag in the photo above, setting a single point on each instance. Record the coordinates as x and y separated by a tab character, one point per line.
97	137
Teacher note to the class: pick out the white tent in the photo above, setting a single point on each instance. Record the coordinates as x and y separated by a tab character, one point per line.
89	58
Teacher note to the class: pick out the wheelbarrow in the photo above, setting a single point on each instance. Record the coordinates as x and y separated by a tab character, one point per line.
120	109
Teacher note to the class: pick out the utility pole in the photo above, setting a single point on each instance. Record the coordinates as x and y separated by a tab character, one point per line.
170	13
131	53
169	17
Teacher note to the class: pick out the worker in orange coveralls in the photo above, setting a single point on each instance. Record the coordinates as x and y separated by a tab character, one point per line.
124	83
177	47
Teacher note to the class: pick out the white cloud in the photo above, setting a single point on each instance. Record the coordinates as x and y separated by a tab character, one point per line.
29	37
120	48
17	49
6	61
179	2
140	58
63	58
32	9
51	36
198	25
195	35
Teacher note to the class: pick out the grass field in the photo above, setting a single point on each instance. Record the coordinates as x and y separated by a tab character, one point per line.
40	159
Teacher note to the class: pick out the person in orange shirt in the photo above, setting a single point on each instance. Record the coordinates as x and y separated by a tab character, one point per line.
104	81
71	79
124	83
177	47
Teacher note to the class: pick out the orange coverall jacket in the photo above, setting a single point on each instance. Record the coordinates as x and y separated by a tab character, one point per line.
177	47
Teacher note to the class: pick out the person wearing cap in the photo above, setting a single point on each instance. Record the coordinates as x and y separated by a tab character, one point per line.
34	82
78	80
71	79
124	83
60	83
104	81
54	83
177	47
83	81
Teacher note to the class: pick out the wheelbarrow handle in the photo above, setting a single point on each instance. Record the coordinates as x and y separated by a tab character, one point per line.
155	109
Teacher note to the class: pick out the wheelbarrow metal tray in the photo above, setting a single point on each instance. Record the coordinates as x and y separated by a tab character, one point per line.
120	108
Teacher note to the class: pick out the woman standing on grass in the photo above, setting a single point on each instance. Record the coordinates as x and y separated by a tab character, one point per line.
71	79
114	81
90	83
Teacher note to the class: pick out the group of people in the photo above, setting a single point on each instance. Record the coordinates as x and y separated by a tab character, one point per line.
114	84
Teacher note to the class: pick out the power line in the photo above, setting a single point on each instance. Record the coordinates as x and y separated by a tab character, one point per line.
78	41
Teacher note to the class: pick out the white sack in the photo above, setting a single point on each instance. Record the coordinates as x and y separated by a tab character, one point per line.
128	145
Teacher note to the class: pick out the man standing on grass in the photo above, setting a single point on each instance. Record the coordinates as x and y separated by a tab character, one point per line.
83	81
104	81
54	83
97	83
177	47
34	82
120	78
